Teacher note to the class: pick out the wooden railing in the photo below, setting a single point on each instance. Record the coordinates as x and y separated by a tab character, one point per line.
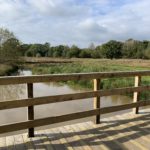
30	102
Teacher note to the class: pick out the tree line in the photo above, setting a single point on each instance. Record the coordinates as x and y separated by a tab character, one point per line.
112	49
11	47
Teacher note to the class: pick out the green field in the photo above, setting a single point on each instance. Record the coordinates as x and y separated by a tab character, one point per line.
74	65
96	65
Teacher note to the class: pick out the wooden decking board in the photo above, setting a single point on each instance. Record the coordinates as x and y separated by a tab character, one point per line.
28	143
88	136
48	138
99	139
109	140
139	134
63	137
100	135
129	135
55	137
93	140
62	140
18	142
3	143
127	128
122	138
74	139
44	139
10	142
67	137
145	128
84	144
120	132
110	131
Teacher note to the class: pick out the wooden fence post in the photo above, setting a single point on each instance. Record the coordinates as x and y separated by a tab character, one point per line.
136	95
97	99
30	109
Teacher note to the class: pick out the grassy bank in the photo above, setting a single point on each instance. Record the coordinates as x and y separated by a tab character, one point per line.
96	65
6	69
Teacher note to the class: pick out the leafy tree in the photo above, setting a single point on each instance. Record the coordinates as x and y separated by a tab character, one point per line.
58	50
46	48
37	50
65	51
112	49
133	49
29	53
10	50
8	46
73	52
147	52
145	44
50	52
96	54
85	53
5	34
24	48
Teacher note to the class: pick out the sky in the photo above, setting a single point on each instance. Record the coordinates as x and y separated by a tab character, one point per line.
78	22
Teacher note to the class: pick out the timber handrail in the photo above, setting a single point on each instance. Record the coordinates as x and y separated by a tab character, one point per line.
31	101
65	77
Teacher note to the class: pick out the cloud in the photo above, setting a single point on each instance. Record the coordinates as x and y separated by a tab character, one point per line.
76	21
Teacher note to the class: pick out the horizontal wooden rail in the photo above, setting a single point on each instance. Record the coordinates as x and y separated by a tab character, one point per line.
68	97
47	121
124	107
66	77
68	117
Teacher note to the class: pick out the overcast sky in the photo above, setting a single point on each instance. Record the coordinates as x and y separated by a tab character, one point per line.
77	22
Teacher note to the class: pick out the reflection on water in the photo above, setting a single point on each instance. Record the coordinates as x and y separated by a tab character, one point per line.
13	92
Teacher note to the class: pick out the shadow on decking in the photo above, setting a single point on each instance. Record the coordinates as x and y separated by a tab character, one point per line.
99	132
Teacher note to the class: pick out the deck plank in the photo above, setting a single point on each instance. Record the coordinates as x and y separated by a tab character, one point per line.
10	141
107	139
73	139
85	145
18	142
94	140
28	143
3	143
138	136
54	137
44	140
124	136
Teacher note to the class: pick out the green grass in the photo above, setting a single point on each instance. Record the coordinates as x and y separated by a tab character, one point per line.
97	66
